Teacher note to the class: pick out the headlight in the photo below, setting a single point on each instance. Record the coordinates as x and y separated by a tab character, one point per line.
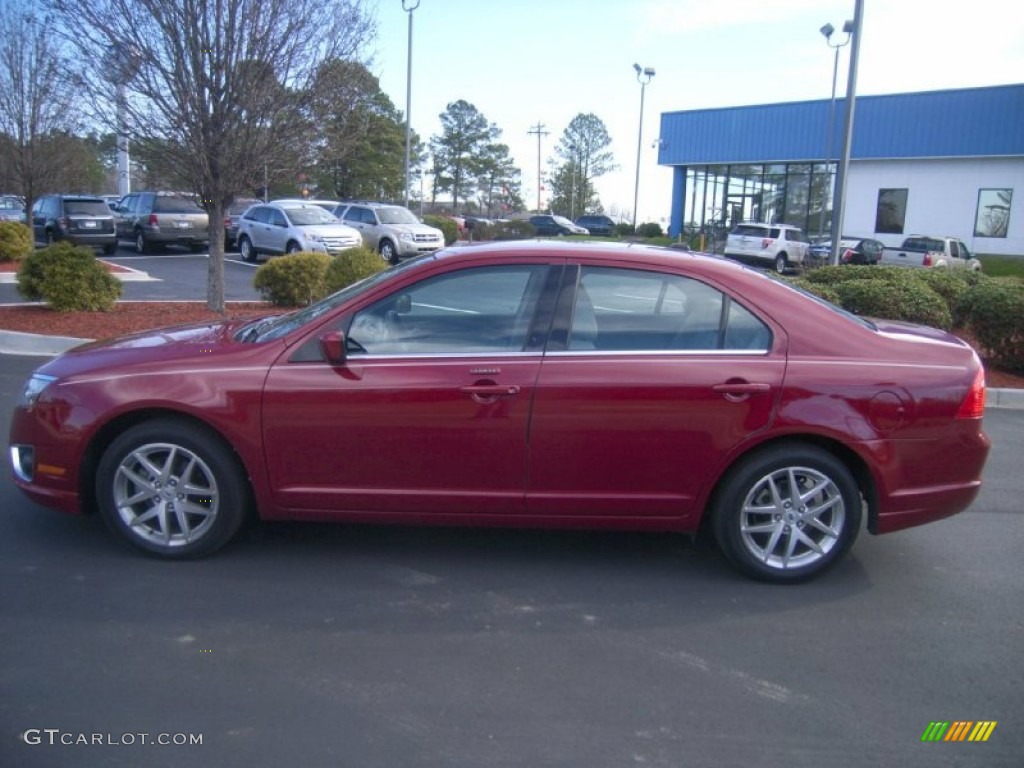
33	387
409	237
314	238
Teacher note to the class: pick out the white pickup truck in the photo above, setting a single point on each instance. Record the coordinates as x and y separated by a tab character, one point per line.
925	251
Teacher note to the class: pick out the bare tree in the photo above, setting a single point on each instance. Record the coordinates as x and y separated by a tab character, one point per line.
219	89
35	103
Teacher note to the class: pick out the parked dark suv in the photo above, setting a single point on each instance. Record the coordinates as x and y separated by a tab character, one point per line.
152	220
596	224
79	219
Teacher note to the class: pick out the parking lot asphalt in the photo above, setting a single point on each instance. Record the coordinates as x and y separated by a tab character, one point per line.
343	645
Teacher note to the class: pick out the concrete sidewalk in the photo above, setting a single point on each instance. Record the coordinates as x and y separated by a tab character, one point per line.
17	343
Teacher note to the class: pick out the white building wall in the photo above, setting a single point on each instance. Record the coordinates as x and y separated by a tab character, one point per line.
942	199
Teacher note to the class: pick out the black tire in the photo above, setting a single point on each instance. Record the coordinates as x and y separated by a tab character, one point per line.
388	252
142	245
293	247
247	251
757	515
191	509
198	247
50	239
781	263
110	249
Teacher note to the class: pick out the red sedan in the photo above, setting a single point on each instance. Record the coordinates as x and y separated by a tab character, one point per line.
525	384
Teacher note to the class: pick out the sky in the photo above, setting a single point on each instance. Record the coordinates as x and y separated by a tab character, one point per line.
525	62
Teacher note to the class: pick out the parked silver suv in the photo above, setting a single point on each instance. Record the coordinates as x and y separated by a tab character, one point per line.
153	220
290	227
392	230
781	245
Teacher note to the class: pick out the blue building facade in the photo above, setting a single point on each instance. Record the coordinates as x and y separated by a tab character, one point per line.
919	161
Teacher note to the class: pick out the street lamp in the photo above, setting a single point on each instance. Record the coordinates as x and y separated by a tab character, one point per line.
408	6
844	157
572	195
643	76
827	31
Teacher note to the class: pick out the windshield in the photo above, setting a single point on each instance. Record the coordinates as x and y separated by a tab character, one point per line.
281	325
396	215
312	214
563	221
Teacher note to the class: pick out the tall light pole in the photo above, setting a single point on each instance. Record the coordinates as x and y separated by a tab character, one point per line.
844	160
572	195
408	6
538	131
827	31
643	76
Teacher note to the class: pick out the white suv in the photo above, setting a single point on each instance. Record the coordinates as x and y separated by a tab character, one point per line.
783	246
392	230
286	227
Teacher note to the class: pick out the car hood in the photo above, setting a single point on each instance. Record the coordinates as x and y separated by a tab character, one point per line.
162	347
329	230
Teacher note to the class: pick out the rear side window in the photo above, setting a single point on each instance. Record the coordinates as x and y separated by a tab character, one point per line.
871	247
176	205
922	244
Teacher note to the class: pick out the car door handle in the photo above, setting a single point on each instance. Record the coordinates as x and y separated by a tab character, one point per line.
741	387
490	390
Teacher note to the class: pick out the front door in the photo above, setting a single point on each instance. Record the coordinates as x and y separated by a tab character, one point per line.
428	414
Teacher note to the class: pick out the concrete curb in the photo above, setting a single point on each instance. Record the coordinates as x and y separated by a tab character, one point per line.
130	276
32	344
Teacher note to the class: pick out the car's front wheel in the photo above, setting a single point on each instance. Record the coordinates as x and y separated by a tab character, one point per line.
172	489
246	249
781	263
387	251
787	513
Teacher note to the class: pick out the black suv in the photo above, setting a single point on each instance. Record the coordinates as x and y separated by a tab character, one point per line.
596	224
153	219
79	219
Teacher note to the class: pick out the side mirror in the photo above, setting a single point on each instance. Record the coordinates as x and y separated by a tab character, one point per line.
332	345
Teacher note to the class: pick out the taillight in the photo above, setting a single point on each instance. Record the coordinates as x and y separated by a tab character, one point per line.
973	405
62	224
927	260
227	222
153	220
848	255
766	242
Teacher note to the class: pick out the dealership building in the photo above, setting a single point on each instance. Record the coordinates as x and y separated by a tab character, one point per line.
942	163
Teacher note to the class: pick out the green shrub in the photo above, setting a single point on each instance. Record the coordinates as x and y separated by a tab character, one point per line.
294	280
650	229
69	279
516	229
827	292
951	285
480	232
352	266
993	312
623	229
895	299
15	241
446	225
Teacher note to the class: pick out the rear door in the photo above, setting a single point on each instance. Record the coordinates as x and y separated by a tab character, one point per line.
650	380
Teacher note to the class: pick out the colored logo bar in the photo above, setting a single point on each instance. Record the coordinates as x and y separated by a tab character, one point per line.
959	730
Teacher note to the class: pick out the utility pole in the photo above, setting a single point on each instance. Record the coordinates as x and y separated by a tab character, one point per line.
538	131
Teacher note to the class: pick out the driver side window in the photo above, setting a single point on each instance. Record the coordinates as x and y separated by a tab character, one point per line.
472	311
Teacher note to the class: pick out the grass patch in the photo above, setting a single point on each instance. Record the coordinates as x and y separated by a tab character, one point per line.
1002	266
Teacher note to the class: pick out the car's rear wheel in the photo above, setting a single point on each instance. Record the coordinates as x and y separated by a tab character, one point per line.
245	248
109	249
787	513
172	489
781	263
387	251
141	244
